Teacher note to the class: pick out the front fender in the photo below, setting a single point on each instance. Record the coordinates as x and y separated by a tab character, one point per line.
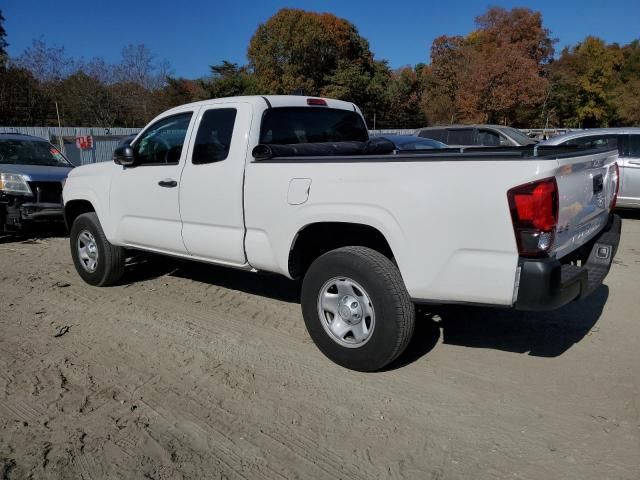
72	193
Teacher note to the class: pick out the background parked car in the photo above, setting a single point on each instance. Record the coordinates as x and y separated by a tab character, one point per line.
477	135
628	142
32	172
412	142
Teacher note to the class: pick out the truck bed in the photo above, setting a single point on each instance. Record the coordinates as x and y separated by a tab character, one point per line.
445	212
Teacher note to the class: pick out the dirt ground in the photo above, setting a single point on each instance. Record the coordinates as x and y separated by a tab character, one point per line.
192	371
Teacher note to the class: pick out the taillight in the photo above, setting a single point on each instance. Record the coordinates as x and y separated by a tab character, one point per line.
534	213
617	180
317	101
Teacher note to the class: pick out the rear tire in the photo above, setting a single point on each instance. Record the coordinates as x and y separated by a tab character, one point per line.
97	261
357	309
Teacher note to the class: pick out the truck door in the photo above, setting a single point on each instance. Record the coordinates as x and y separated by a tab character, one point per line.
211	188
144	197
630	171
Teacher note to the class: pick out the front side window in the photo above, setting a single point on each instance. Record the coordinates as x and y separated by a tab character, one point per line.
290	125
214	136
162	142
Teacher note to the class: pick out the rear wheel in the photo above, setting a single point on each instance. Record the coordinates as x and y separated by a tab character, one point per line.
97	261
357	309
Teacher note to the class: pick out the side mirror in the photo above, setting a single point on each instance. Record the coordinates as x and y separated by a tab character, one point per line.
123	155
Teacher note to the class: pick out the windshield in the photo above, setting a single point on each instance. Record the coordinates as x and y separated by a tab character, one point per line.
31	152
519	137
287	125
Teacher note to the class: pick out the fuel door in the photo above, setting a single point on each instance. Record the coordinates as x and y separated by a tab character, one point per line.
298	191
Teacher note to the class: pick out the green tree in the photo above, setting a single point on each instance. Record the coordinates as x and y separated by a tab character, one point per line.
22	101
404	93
85	101
586	77
229	80
318	54
366	87
626	96
3	44
297	50
444	79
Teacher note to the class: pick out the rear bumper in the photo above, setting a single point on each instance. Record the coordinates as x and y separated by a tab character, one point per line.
546	284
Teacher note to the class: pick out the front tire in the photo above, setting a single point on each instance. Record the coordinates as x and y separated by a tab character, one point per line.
97	261
357	309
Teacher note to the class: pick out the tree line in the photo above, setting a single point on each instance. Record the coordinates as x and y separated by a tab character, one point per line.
505	71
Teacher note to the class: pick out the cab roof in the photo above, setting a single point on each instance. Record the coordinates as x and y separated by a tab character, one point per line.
590	133
268	101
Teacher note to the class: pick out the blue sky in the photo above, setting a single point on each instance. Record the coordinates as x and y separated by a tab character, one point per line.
193	34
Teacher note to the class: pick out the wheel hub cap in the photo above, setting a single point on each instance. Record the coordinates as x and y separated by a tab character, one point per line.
346	312
87	251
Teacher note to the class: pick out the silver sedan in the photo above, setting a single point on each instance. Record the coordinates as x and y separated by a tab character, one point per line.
628	142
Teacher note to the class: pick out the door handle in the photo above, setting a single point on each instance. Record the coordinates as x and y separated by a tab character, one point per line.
168	183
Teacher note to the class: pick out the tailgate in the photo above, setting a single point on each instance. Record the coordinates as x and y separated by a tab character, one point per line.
586	185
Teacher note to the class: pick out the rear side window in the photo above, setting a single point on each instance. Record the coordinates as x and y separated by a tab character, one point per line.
289	125
634	146
596	141
461	137
435	134
213	140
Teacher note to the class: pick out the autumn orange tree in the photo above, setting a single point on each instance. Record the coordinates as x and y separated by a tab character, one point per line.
493	74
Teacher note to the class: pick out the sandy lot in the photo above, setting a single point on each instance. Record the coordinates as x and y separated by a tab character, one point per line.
191	371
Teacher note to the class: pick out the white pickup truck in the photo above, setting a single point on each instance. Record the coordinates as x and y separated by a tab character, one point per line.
293	185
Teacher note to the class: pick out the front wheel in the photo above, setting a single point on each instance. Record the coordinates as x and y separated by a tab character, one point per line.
357	309
97	261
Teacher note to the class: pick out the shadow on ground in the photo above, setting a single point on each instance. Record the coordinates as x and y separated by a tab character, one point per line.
541	334
145	267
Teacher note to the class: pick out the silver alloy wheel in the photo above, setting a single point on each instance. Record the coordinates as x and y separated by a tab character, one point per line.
87	251
346	312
